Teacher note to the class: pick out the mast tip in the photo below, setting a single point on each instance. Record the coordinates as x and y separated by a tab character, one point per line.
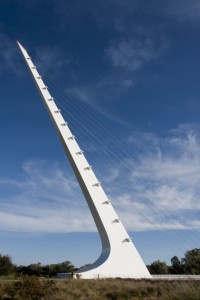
20	45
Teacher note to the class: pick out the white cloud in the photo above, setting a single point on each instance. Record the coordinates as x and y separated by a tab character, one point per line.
119	14
134	52
50	59
44	200
93	95
157	190
46	222
111	13
47	58
9	55
163	184
183	9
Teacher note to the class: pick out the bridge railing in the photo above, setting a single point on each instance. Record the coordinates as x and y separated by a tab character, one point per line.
175	277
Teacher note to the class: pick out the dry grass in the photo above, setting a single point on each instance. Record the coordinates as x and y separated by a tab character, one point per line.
107	289
129	289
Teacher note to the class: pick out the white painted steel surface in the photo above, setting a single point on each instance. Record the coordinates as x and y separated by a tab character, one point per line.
119	257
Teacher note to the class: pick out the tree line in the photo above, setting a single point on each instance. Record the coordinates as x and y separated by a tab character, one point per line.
36	269
189	264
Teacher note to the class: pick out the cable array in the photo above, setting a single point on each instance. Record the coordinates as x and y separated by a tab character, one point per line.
91	136
91	131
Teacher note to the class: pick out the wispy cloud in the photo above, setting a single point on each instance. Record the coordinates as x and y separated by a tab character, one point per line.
133	53
93	95
44	200
164	180
159	189
50	59
113	13
9	55
183	10
119	14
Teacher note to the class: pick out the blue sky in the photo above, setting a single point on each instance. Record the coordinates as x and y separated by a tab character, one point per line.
126	77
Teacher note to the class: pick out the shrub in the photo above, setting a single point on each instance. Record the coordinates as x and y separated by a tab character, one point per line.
32	288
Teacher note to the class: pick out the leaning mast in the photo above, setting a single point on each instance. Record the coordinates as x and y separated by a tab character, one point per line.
119	257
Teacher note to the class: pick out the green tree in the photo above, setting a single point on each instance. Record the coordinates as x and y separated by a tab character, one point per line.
36	269
158	267
177	267
191	261
64	267
46	270
6	265
31	270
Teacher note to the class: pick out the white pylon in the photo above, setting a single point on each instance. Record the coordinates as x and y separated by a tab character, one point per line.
119	257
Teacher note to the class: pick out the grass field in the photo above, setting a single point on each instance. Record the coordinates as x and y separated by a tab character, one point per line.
33	288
